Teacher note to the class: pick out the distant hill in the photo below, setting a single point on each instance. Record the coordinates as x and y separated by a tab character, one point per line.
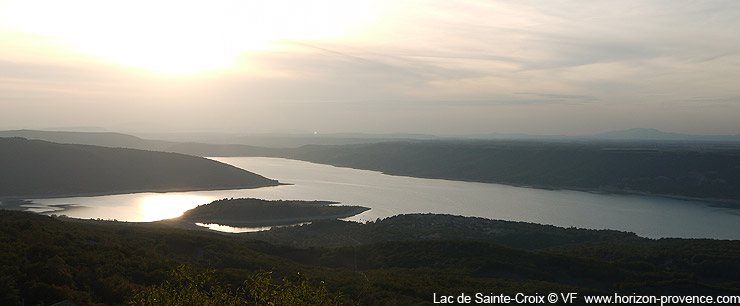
636	134
207	149
38	168
266	144
119	140
285	140
105	139
209	144
653	134
84	128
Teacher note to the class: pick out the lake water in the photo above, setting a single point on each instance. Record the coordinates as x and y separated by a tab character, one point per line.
391	195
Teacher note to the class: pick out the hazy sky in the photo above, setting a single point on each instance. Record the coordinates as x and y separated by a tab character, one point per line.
439	67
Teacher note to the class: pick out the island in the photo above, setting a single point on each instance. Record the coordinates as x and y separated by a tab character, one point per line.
250	212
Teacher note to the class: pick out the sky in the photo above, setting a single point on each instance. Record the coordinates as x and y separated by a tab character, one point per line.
398	66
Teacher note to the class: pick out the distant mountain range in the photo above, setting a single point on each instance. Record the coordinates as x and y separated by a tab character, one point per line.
638	134
177	141
287	140
653	134
106	139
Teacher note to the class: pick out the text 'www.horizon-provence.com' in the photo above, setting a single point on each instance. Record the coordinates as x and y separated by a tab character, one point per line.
572	297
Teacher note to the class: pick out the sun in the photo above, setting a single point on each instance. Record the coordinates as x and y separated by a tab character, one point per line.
180	36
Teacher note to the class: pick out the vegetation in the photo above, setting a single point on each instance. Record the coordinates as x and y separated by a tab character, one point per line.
44	260
33	168
709	171
257	212
425	227
187	288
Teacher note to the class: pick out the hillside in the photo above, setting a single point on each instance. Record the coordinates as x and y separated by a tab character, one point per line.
119	140
710	172
707	171
653	134
33	168
105	139
425	227
47	260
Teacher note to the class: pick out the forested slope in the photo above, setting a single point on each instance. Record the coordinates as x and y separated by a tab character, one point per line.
698	171
39	168
44	260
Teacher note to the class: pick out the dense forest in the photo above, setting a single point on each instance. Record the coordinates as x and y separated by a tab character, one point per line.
44	260
33	168
521	235
708	171
258	212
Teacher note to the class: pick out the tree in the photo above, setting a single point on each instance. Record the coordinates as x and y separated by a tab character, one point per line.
188	288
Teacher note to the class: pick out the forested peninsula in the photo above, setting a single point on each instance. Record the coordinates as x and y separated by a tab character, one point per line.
34	168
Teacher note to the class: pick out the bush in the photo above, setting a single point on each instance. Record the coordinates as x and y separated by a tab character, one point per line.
188	288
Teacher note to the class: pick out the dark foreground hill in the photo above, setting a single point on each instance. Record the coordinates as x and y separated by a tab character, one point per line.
44	260
39	168
425	227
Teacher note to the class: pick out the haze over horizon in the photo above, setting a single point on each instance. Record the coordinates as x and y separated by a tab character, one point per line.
432	67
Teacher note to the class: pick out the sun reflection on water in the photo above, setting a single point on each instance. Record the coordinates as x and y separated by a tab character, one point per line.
233	229
164	206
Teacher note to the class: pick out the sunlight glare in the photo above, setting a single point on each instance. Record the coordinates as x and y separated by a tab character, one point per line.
181	36
232	229
163	206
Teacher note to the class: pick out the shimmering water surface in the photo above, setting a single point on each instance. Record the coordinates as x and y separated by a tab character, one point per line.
391	195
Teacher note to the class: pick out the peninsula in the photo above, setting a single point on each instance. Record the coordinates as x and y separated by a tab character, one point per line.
34	168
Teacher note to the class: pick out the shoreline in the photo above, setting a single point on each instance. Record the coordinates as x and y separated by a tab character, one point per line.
191	223
134	191
718	202
715	202
273	222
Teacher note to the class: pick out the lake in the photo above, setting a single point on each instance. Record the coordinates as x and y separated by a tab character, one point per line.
388	195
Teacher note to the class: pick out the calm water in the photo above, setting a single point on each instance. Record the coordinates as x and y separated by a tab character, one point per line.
390	195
